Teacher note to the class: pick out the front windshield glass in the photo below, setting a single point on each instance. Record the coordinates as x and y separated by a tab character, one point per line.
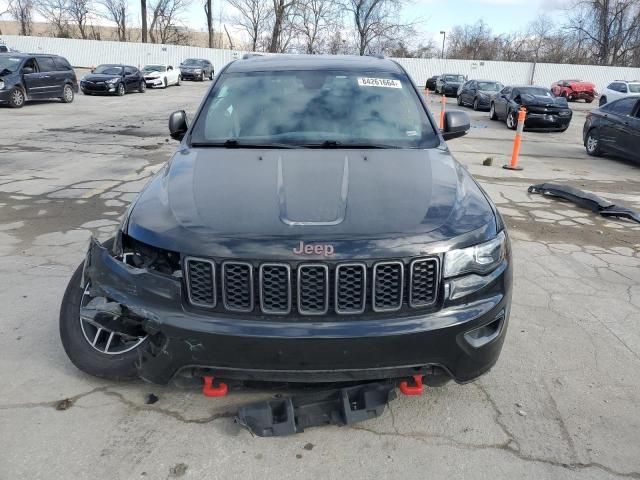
9	63
540	92
192	61
155	68
453	78
108	70
489	86
634	87
310	108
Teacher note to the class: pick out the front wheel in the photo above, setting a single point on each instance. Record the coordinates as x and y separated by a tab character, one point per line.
592	144
142	87
459	100
95	349
202	77
475	104
211	75
512	123
492	112
120	91
165	84
16	98
179	80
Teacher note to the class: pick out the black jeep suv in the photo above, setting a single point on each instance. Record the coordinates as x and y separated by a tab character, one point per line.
26	77
312	226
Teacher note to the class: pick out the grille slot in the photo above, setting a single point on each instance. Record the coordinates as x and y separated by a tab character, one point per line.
237	286
313	289
275	288
388	283
351	288
424	282
201	281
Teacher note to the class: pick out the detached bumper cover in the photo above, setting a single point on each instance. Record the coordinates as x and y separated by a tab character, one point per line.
345	350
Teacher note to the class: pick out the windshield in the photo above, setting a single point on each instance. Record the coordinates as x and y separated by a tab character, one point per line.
108	70
192	61
314	108
453	78
9	63
489	86
541	92
634	87
155	68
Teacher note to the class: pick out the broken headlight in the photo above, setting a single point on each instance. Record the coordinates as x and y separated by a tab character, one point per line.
482	258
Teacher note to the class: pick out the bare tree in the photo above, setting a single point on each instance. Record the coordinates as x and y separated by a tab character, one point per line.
143	20
116	11
22	12
377	23
472	42
209	14
78	11
165	21
56	14
252	16
281	21
313	21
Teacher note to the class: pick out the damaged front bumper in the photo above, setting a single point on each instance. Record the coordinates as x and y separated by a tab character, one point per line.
461	341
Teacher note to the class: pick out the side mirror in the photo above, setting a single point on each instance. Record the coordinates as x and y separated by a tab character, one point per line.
456	124
27	70
178	125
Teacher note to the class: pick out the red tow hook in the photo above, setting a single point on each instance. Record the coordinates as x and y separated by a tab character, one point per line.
416	389
208	390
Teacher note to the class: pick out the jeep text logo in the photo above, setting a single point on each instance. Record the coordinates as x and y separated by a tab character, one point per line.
318	249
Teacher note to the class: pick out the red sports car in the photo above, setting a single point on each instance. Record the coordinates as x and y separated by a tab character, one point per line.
574	90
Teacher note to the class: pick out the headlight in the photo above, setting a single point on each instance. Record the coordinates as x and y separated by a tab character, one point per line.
1	84
113	80
480	259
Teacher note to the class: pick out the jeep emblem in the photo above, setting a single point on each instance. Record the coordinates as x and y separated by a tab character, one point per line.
325	250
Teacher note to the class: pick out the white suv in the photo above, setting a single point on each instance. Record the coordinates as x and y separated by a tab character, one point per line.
619	89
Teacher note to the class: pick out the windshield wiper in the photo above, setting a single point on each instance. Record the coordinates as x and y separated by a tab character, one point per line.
233	143
337	144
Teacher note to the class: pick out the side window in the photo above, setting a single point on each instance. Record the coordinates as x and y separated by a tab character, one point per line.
31	63
623	88
169	68
129	70
46	64
613	86
623	107
515	93
61	64
506	91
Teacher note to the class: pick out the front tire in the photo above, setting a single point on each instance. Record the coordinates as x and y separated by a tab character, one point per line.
211	75
592	143
16	98
459	100
512	122
179	80
202	77
113	366
475	104
67	94
142	87
120	91
165	83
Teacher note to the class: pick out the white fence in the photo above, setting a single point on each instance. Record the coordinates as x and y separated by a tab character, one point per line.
85	53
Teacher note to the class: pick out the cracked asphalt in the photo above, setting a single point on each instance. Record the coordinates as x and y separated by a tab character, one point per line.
563	402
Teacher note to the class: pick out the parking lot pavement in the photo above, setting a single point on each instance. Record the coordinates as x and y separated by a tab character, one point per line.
563	402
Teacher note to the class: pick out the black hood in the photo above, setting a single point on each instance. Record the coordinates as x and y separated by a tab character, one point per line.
543	100
260	203
99	77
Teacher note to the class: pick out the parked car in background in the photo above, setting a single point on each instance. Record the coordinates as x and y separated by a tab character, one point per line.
574	90
26	77
113	80
4	49
449	83
431	83
196	69
161	75
544	111
614	128
619	89
478	93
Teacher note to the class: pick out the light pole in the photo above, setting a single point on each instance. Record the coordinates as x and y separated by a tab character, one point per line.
444	36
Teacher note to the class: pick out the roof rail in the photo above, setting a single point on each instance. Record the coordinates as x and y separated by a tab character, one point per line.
247	56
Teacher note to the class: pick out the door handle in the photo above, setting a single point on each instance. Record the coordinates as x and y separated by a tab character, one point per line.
46	76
